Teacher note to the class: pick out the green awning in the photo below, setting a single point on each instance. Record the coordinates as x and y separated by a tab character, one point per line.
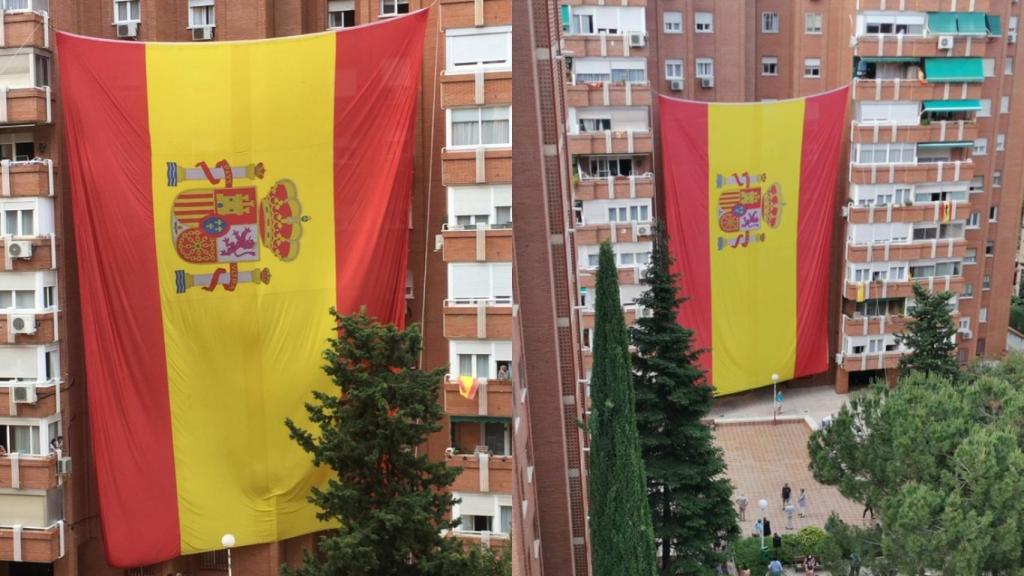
972	23
942	23
952	105
953	70
566	19
954	144
490	419
994	24
881	59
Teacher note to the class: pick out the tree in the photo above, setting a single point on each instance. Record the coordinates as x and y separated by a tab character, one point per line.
942	464
620	519
388	499
690	496
930	335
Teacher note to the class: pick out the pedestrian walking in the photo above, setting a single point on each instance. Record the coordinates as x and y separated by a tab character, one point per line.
775	568
810	565
868	509
741	505
854	564
787	492
778	402
758	528
767	527
801	502
789	516
777	544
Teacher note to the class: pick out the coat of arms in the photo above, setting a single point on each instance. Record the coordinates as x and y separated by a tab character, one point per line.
228	224
747	207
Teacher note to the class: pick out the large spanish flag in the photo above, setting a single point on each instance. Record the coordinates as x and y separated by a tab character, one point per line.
225	196
750	200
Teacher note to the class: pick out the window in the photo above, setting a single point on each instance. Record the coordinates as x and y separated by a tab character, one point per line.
982	315
18	222
201	13
993	213
973	221
812	23
897	153
997	179
988	67
704	22
1008	66
911	24
770	22
673	69
505	525
986	108
603	167
981	146
393	7
769	66
21	439
705	68
487	126
1004	105
980	350
48	300
906	113
42	71
1000	142
990	248
341	13
812	68
967	293
636	213
673	22
971	256
986	282
126	11
17	300
470	48
977	185
476	365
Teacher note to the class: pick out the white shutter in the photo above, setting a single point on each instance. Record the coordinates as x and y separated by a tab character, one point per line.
631	19
476	505
502	274
341	5
592	66
470	200
22	362
469	281
630	119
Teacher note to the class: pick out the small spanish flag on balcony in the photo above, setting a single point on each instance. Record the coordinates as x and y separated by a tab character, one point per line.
946	210
750	201
225	196
468	387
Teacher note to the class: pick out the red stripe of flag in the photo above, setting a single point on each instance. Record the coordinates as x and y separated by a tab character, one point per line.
124	394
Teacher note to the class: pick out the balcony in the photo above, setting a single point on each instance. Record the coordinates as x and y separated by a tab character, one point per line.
479	245
478	319
918	5
870	89
488	539
627	275
953	171
604	45
46	330
482	473
470	13
43	255
874	325
21	472
26	28
26	543
493	398
608	142
484	88
460	167
587	316
899	45
937	131
920	250
923	212
614	187
902	289
27	106
603	3
868	361
614	232
46	404
608	94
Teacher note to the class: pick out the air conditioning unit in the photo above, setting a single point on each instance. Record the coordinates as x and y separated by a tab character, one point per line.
1011	37
676	85
22	323
637	40
128	30
64	466
966	334
643	230
202	33
707	82
24	393
19	249
839	358
945	42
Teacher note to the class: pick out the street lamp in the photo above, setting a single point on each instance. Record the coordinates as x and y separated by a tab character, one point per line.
775	397
228	541
763	505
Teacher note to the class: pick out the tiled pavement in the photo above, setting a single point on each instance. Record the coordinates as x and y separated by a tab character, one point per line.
761	457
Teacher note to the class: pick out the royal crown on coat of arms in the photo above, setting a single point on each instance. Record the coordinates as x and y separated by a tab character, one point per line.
747	206
229	225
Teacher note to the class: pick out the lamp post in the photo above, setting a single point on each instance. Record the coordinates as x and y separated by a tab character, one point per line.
775	398
228	541
763	505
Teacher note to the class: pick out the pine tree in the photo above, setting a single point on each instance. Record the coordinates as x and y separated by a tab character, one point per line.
388	498
930	335
690	496
620	519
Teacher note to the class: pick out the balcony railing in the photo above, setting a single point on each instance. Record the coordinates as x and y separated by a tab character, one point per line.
42	544
473	302
464	227
28	472
13	172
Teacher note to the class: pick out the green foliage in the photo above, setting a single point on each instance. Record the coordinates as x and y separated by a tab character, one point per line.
1017	314
930	335
690	495
389	499
942	464
620	520
747	552
808	541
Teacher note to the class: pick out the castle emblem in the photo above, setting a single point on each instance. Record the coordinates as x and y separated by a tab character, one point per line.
229	226
747	206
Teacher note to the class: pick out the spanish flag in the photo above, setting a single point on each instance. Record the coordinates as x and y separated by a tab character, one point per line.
750	201
225	196
468	387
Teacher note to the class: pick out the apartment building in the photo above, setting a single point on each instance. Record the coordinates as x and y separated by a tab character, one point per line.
930	190
459	284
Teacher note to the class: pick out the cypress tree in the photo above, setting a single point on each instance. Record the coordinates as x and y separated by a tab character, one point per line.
389	499
620	520
690	496
930	335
